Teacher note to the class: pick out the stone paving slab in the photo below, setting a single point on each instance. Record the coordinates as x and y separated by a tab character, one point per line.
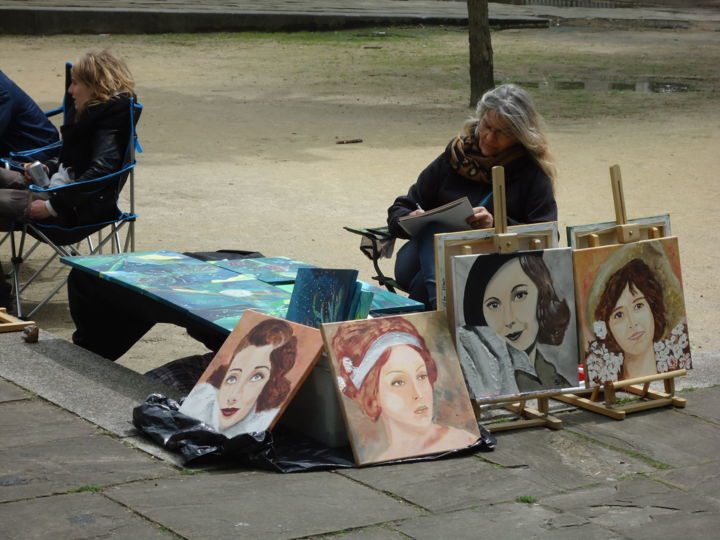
65	464
640	508
704	403
512	521
665	435
35	421
260	505
78	515
368	533
700	480
563	460
452	484
11	392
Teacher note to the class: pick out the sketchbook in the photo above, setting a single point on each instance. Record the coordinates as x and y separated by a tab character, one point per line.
452	215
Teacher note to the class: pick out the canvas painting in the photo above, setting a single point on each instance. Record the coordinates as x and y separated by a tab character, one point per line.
187	283
400	386
449	245
322	295
631	310
275	270
383	301
254	375
515	322
221	292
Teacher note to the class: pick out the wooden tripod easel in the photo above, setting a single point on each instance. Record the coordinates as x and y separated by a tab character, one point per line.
603	399
8	323
507	242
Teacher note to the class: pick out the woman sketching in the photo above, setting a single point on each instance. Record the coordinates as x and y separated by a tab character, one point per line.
387	369
244	395
630	326
506	131
514	324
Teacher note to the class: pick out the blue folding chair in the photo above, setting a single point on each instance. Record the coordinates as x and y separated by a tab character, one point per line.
66	241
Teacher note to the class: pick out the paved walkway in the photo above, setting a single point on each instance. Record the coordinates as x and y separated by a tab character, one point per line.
73	466
153	16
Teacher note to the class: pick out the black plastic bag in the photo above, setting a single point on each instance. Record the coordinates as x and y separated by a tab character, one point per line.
282	450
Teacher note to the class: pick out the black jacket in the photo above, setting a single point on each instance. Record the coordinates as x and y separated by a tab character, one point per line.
528	192
95	144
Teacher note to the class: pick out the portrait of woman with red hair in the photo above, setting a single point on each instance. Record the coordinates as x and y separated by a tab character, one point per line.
389	376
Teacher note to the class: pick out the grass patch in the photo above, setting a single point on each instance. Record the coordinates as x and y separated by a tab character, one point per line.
428	66
527	499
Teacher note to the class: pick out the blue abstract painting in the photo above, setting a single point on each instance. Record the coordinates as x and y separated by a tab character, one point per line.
322	295
275	270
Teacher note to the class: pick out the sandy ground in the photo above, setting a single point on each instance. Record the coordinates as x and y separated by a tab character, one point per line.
240	151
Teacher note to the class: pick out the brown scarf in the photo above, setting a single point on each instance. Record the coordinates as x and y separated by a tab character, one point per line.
466	159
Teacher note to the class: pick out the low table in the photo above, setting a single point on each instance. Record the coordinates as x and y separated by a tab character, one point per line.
216	293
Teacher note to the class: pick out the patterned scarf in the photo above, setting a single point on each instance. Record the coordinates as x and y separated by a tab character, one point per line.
466	159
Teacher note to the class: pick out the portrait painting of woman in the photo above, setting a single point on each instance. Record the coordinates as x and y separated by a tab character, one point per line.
516	325
254	375
635	324
401	398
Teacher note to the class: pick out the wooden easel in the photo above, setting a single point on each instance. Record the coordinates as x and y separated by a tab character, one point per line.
507	242
603	399
8	323
527	416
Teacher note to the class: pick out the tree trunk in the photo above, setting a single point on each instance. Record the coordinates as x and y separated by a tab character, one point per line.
481	54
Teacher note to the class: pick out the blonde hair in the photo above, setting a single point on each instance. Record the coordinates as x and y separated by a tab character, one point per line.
516	107
104	74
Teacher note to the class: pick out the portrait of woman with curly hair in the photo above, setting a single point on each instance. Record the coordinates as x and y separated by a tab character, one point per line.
635	314
254	375
518	334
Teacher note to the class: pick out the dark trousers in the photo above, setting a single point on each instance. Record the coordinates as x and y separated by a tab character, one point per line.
5	290
109	318
415	266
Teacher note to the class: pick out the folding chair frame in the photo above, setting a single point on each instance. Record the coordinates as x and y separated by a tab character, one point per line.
38	231
20	255
377	243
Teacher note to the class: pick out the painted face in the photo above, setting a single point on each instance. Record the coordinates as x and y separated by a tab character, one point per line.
405	394
246	377
510	305
494	134
80	93
631	322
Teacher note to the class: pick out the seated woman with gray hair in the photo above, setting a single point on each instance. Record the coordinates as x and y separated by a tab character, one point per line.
506	131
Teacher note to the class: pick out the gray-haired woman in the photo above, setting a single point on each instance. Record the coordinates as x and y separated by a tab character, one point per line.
506	131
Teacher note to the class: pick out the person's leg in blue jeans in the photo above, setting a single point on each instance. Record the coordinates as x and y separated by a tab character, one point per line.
415	266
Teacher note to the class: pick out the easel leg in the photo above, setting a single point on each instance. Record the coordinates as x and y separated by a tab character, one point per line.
639	386
529	417
9	323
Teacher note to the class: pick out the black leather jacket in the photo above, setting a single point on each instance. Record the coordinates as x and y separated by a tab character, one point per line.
95	144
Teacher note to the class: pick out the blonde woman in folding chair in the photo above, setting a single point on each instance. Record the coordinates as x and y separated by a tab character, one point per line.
95	139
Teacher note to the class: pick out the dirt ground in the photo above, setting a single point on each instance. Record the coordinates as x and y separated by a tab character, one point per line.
240	134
